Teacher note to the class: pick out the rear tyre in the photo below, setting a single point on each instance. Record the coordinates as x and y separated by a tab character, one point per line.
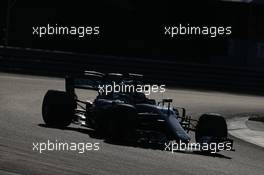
57	109
211	125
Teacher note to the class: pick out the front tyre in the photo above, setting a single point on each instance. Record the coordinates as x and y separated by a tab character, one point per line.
58	109
211	125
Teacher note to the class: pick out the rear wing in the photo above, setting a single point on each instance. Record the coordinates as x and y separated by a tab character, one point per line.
87	80
92	80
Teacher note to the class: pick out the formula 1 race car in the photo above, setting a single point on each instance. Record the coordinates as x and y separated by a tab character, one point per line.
128	115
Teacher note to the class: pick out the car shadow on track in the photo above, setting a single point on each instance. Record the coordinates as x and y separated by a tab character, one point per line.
216	155
161	148
92	134
88	131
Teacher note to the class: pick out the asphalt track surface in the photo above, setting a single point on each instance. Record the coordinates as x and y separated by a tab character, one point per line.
20	119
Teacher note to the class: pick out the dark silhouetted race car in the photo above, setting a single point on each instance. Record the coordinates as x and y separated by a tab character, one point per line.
128	116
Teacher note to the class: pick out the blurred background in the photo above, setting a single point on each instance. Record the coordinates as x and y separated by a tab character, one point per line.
135	29
132	40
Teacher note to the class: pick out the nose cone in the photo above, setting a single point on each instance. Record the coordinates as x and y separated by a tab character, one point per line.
178	132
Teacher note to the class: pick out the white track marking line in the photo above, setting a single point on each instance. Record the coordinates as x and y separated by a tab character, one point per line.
237	128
